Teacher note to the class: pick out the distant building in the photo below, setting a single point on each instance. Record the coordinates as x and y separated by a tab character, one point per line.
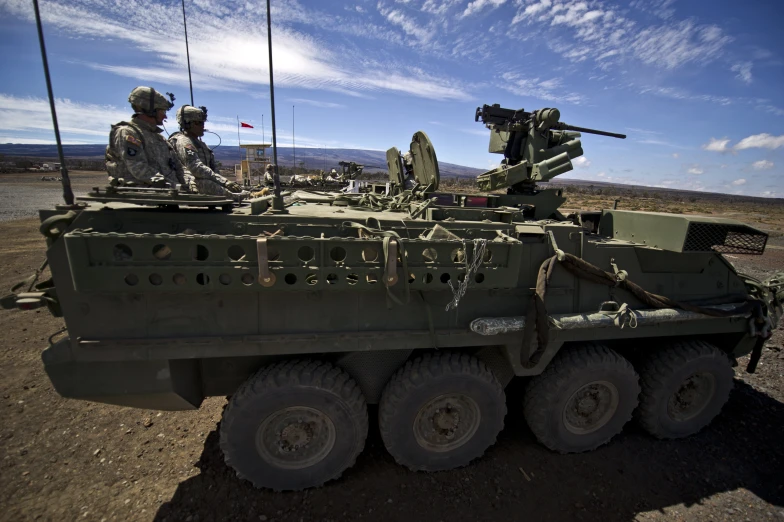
256	159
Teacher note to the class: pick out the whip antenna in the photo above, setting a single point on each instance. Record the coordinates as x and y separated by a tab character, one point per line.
68	195
277	201
187	51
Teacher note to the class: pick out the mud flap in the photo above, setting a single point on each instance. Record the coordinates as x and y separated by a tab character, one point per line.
756	354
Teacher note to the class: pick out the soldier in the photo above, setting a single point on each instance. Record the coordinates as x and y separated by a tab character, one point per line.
269	178
197	158
137	154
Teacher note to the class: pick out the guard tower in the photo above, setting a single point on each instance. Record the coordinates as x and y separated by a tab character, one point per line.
256	158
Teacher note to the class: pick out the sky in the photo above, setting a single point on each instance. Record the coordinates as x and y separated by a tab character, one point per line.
698	87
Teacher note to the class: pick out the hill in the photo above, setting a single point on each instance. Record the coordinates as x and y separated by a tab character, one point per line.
230	155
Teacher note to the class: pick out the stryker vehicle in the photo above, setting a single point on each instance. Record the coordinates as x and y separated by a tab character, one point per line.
426	303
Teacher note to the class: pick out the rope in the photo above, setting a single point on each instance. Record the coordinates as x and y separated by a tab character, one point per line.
471	266
537	319
388	236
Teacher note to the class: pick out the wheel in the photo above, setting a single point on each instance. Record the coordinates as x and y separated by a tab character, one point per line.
294	425
684	387
582	399
441	411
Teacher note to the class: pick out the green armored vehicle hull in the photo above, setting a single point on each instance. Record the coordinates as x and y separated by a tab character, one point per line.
427	304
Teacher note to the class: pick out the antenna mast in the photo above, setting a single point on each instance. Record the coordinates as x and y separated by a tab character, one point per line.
277	201
187	51
68	194
293	141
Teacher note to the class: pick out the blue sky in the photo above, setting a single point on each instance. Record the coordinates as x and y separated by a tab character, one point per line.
697	86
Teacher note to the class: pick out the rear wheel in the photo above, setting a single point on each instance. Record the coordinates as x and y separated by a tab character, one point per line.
684	387
582	400
294	425
441	411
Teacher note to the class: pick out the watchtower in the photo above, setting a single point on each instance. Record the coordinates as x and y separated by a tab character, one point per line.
256	158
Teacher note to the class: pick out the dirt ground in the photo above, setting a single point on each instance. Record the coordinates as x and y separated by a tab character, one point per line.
65	460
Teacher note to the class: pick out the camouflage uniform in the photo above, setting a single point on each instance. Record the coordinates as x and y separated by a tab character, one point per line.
137	153
199	162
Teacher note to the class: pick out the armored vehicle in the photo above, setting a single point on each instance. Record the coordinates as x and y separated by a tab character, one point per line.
424	302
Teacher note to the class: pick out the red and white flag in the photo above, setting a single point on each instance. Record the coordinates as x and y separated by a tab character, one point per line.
245	125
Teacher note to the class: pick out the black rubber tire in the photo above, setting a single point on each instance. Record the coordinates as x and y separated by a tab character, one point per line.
547	395
424	379
662	374
317	385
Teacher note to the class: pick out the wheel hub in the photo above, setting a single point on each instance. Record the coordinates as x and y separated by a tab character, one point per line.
295	437
590	407
446	422
693	395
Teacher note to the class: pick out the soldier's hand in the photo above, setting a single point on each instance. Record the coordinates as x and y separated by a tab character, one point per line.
158	181
233	186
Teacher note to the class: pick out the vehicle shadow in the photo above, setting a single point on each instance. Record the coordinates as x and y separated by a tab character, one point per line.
518	478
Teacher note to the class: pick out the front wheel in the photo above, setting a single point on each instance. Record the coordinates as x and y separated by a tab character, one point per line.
294	425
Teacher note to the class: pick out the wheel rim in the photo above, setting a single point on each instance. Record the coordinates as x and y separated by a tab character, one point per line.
590	407
692	396
296	437
446	422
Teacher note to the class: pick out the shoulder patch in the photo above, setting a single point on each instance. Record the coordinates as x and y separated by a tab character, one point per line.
190	147
134	140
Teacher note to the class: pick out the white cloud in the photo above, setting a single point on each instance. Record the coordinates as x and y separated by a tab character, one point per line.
696	170
598	31
760	141
681	94
478	5
581	162
409	25
739	182
769	194
744	71
772	109
717	145
675	45
222	42
551	89
676	155
762	165
661	8
317	103
75	119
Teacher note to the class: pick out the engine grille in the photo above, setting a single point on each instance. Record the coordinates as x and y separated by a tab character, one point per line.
725	238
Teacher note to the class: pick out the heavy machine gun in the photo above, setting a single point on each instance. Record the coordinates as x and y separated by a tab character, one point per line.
536	146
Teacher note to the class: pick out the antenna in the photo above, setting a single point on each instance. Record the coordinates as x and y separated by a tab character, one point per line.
293	142
277	201
187	51
68	195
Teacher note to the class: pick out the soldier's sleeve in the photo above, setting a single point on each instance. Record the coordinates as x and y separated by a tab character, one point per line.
189	157
130	151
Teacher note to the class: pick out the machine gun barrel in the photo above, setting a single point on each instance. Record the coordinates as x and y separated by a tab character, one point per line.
563	126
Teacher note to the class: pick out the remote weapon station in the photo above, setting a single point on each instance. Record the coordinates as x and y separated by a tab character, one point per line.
426	303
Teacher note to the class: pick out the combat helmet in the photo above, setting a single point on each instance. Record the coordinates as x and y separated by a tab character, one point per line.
146	100
188	114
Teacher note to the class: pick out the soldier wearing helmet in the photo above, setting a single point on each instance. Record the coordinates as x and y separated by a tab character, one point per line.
137	154
196	157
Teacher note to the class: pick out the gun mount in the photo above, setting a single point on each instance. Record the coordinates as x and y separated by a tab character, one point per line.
536	145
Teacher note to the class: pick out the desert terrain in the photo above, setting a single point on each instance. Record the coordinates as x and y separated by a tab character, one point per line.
63	459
